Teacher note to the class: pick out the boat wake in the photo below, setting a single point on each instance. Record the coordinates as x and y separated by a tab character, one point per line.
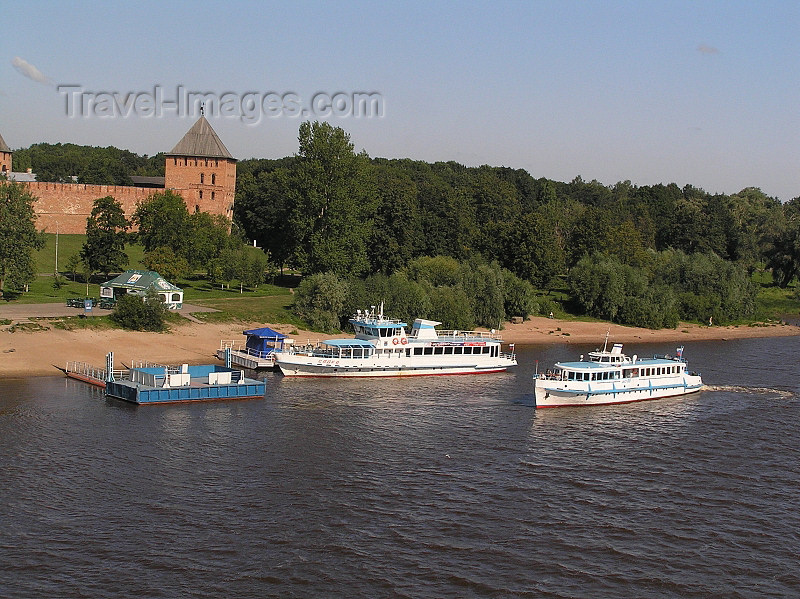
781	393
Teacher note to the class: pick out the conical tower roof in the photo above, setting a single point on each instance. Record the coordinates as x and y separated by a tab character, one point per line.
201	140
3	146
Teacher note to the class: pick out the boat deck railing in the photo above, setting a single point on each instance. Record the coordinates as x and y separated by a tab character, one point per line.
255	353
461	335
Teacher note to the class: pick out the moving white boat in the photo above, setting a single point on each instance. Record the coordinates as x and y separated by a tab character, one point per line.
611	377
383	348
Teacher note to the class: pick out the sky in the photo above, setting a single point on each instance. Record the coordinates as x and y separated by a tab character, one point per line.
700	93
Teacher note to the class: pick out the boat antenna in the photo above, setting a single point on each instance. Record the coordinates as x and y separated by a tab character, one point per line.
381	314
605	344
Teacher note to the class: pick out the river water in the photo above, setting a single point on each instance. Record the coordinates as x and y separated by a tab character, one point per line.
423	487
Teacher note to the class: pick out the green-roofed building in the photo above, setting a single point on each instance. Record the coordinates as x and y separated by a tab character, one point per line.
138	282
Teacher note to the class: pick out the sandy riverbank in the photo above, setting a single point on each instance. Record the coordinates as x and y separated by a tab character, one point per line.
43	352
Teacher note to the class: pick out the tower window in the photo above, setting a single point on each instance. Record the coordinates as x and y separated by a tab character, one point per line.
212	195
197	207
201	194
213	179
202	178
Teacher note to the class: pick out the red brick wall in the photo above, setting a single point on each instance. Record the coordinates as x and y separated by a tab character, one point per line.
5	162
213	178
68	205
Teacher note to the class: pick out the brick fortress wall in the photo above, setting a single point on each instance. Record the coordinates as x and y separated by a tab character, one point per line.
64	207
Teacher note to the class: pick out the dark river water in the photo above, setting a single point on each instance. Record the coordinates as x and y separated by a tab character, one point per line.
423	487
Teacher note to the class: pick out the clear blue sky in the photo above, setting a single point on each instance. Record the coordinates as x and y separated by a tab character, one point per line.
701	93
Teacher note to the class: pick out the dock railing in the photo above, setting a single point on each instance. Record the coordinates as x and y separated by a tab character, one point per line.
93	372
237	347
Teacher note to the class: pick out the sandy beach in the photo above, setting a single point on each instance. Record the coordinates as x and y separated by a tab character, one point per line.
44	352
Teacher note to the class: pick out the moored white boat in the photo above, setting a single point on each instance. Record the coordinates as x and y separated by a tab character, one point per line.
382	347
611	377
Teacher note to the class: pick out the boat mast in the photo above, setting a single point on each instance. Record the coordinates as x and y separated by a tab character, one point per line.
605	344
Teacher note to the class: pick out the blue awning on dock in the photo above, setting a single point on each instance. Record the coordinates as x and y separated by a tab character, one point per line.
264	340
265	333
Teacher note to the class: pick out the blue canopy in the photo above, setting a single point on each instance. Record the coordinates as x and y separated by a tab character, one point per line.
266	333
264	340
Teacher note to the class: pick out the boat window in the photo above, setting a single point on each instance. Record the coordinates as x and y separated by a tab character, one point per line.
457	350
408	353
448	350
417	351
428	351
438	351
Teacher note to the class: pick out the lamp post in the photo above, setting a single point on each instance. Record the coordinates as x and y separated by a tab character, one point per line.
56	271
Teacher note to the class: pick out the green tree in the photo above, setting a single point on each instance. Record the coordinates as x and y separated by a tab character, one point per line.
783	252
397	229
333	199
104	249
165	262
519	298
483	284
263	210
163	221
18	236
437	271
531	249
321	300
140	313
209	235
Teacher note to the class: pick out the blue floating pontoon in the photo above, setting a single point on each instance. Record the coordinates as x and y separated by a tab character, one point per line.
157	383
160	384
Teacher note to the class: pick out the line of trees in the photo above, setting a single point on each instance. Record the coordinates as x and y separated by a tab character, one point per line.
459	295
331	210
59	163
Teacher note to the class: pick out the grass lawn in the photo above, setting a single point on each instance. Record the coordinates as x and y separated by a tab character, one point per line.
69	245
266	309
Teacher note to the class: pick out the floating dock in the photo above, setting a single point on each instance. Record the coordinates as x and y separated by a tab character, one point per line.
259	350
158	383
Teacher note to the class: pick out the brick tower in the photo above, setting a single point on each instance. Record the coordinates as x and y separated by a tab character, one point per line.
202	171
5	158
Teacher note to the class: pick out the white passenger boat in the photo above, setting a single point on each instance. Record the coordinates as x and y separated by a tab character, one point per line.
382	347
611	377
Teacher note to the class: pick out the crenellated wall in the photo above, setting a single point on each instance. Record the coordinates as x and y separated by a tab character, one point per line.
66	206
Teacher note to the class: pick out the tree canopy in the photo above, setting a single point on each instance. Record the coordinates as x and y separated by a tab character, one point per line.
18	236
106	236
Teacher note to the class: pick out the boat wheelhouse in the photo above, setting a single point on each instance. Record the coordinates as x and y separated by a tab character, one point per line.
383	347
611	377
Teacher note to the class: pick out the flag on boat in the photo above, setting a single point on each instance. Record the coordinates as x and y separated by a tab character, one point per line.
680	351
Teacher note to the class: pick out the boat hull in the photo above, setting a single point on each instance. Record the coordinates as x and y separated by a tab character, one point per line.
318	368
550	394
